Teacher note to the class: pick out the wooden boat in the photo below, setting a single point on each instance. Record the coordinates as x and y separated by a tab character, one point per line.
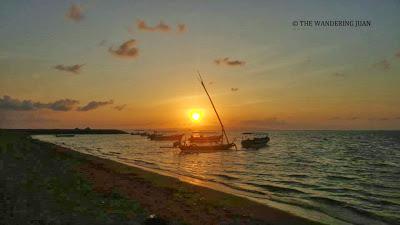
141	133
255	140
192	147
162	137
205	139
65	135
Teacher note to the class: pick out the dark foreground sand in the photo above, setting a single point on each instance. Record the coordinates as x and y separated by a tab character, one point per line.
41	183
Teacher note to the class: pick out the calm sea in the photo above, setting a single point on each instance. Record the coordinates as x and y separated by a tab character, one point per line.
337	177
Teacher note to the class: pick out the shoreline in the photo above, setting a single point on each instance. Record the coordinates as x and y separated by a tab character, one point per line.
167	197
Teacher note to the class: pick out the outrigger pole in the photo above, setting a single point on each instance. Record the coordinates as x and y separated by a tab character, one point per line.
215	110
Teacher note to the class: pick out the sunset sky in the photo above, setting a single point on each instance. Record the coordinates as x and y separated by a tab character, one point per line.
132	64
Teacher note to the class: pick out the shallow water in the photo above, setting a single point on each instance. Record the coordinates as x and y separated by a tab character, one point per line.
338	177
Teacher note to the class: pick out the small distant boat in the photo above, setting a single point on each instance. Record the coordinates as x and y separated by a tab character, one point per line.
254	140
210	143
141	133
65	135
162	137
144	134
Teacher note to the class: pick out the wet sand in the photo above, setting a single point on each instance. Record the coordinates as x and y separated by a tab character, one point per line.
135	193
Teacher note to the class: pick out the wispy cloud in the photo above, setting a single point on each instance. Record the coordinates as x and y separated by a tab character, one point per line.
345	118
75	13
8	103
354	118
94	105
13	104
127	50
120	107
60	105
234	89
71	69
228	62
161	27
384	65
380	119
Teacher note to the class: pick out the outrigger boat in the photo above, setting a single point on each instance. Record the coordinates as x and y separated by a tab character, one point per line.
254	140
191	146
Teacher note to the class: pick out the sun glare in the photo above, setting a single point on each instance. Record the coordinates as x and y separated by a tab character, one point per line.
195	116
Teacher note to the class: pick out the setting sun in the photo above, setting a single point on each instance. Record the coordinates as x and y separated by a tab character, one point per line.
195	116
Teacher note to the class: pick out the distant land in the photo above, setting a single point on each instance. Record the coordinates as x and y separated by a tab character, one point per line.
67	131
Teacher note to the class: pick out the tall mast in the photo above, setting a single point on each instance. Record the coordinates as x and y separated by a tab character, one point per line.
215	110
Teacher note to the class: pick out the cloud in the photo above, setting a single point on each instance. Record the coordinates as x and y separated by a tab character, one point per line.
94	105
380	119
234	89
60	105
75	13
273	121
71	69
182	28
119	107
226	61
384	65
8	103
127	50
161	27
354	118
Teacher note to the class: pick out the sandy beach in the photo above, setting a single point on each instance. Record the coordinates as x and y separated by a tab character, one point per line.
44	183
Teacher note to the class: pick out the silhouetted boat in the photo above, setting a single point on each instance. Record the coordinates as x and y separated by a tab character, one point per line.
162	137
191	147
204	139
65	135
254	140
141	133
205	148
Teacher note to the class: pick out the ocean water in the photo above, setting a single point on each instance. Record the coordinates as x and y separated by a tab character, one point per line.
337	177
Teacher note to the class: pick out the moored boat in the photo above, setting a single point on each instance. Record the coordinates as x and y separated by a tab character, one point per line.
211	143
254	140
192	148
140	133
204	139
65	135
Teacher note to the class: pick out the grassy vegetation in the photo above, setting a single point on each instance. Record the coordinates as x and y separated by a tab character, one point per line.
39	186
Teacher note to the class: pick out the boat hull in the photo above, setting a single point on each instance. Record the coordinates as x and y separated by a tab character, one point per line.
205	148
255	143
209	139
